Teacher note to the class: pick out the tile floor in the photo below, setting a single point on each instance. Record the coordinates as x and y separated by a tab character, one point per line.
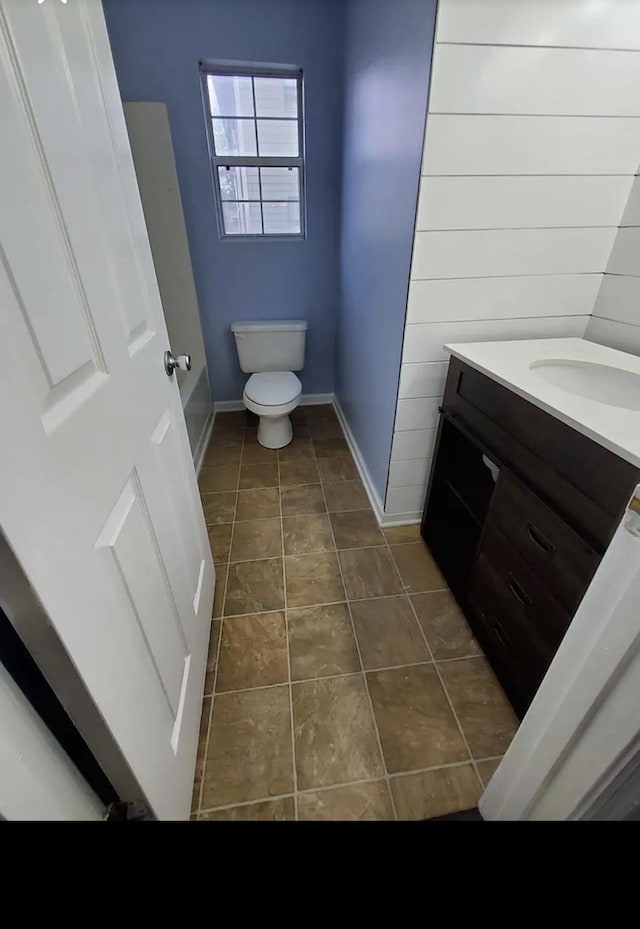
343	682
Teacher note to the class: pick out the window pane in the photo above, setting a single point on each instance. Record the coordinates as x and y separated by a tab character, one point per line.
278	137
280	183
281	218
242	218
239	183
230	96
276	96
234	136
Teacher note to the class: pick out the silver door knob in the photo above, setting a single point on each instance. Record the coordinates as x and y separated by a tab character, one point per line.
171	362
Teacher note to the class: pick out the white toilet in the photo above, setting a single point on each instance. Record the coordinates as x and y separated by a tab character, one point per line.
271	352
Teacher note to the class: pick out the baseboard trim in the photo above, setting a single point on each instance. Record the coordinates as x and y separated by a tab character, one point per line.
363	471
230	406
201	448
401	519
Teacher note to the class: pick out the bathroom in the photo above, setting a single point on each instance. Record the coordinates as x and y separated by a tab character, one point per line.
466	175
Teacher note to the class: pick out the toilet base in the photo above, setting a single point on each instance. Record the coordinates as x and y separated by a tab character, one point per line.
275	431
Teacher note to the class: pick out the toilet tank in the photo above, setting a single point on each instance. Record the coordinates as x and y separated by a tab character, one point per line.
276	345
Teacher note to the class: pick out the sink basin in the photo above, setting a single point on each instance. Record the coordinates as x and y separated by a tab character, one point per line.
602	383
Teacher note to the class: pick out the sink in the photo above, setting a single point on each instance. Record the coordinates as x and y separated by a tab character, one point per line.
602	383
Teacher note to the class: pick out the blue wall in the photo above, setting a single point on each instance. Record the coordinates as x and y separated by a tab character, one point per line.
387	60
156	46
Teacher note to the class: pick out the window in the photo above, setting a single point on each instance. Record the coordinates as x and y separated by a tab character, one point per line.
254	122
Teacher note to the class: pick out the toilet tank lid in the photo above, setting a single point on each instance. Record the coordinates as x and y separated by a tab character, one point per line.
270	325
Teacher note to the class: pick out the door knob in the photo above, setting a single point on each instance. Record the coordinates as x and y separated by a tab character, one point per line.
171	362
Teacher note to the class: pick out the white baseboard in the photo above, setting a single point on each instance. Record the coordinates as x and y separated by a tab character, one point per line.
199	454
363	471
401	519
230	406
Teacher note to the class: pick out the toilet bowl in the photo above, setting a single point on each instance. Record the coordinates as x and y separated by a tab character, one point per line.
271	350
272	395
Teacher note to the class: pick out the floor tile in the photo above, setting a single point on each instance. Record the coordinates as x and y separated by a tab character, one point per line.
256	538
417	568
321	642
249	755
254	454
417	728
446	629
253	652
356	529
485	714
337	469
220	542
306	534
387	633
395	535
335	738
368	801
258	504
212	480
326	430
280	810
218	456
260	475
299	471
299	447
345	495
302	499
212	657
254	586
218	508
486	769
369	572
202	745
313	579
321	413
218	596
435	793
233	421
299	415
227	439
329	446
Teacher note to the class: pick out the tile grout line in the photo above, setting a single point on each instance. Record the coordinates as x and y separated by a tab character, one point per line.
340	784
286	632
224	598
357	644
440	678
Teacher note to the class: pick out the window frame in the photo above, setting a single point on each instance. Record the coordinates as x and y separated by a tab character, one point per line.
257	161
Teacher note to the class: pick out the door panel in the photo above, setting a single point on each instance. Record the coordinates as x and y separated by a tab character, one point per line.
98	496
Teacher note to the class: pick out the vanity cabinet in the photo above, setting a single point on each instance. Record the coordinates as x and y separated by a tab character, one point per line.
519	511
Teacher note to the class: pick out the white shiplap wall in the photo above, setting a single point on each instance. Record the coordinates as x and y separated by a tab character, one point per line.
616	315
532	144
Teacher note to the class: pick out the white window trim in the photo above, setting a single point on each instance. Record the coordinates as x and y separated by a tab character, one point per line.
258	161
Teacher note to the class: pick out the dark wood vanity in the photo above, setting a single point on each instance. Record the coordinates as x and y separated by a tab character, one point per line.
520	509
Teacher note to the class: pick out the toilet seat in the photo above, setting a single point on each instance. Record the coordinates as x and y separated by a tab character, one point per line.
273	388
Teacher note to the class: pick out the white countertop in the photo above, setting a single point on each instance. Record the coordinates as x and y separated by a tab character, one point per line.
508	363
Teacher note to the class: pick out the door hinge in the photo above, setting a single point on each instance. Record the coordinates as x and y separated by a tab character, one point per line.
120	812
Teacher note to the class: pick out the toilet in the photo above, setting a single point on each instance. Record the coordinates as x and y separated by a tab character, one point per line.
270	352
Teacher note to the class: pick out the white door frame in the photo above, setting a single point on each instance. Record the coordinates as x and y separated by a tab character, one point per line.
582	730
37	779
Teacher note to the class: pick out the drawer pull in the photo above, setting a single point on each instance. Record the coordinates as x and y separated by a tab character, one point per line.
518	592
539	540
500	634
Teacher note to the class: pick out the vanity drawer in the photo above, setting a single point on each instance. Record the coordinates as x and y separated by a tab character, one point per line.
528	600
519	661
561	559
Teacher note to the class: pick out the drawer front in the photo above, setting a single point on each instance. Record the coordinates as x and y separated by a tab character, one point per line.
519	662
586	483
562	560
536	610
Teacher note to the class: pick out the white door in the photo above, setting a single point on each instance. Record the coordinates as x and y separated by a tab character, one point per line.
98	497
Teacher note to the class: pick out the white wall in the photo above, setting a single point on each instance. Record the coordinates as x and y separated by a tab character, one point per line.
532	144
616	314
